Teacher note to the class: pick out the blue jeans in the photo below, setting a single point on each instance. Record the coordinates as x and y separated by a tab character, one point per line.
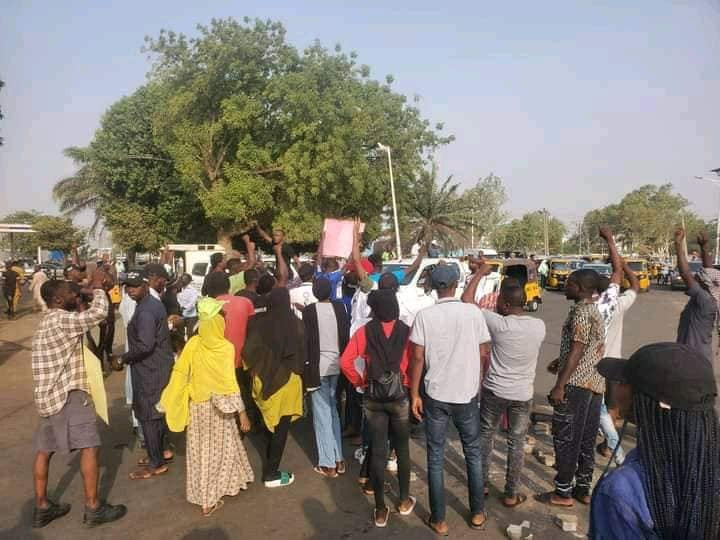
607	426
326	422
466	418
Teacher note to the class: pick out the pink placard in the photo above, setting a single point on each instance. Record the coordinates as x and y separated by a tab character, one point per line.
338	237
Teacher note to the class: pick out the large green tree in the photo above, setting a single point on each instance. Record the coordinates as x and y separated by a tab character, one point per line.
51	233
261	132
527	234
486	200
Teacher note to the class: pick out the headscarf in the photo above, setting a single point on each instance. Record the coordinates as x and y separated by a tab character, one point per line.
385	352
322	289
206	367
275	345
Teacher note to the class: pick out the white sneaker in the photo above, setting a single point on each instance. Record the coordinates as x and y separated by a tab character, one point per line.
286	478
391	465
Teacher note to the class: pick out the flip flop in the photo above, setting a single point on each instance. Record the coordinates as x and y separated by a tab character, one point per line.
367	488
217	506
546	498
519	499
480	526
142	474
144	462
326	474
341	468
409	511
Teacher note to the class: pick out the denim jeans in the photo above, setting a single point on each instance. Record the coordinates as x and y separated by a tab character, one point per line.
465	416
381	417
607	426
492	408
326	422
575	425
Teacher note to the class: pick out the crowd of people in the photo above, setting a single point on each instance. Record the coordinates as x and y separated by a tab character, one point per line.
242	355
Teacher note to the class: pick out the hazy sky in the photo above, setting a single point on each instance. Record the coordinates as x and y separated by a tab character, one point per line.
571	104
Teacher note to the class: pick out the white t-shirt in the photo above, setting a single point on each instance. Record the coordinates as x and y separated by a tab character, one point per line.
613	341
302	295
328	330
516	342
451	333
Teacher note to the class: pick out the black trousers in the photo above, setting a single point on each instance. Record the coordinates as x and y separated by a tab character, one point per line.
276	441
380	417
575	425
353	404
10	299
154	432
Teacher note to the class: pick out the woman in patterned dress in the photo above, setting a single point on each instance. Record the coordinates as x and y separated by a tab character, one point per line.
203	395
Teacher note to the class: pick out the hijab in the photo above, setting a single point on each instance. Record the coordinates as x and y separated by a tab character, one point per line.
275	347
322	289
385	352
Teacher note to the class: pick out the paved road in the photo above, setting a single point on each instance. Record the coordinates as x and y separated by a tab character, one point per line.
313	507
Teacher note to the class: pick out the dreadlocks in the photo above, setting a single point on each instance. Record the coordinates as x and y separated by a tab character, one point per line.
681	453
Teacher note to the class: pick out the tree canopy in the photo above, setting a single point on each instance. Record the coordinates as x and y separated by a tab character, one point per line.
527	234
52	233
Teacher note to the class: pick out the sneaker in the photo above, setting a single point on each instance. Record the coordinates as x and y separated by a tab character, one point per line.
285	479
43	516
105	513
391	465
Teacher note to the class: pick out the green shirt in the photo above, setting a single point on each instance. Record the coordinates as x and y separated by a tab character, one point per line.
237	282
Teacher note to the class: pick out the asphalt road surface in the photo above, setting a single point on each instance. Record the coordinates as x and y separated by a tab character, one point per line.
313	507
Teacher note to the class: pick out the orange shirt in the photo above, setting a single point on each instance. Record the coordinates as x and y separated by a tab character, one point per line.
356	347
238	311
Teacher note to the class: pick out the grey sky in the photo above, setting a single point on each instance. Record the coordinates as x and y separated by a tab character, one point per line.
572	104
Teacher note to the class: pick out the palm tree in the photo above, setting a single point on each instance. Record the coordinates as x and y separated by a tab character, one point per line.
83	190
438	212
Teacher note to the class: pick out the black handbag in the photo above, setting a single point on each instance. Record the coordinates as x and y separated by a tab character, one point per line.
387	389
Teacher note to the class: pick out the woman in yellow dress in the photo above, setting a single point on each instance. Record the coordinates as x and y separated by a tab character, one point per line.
203	395
274	354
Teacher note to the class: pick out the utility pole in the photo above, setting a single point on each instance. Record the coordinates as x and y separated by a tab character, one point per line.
394	203
546	235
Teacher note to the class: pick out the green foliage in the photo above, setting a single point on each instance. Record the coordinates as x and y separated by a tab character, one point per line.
52	233
527	234
486	200
438	211
260	131
22	243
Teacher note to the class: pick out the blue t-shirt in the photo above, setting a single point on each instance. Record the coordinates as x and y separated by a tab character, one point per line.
335	279
619	509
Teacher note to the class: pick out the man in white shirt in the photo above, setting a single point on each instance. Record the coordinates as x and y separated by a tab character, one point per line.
187	298
450	340
302	295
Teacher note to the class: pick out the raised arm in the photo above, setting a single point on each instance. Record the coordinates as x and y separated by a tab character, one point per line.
615	259
251	257
282	269
483	270
77	323
704	253
362	274
683	266
631	277
416	263
265	236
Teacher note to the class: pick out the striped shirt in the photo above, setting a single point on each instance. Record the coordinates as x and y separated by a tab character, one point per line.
57	354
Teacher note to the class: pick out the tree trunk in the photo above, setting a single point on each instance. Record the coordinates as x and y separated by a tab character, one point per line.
131	258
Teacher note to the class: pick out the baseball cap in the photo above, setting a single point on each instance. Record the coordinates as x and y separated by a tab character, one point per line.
133	279
443	276
366	264
154	269
671	373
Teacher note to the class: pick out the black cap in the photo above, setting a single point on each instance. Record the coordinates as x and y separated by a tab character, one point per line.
154	269
133	279
671	373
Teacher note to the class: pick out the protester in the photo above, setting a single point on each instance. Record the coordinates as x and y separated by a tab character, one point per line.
327	332
508	387
450	338
67	414
39	277
217	264
236	267
668	486
302	296
543	271
695	327
252	280
11	286
577	393
274	354
127	309
384	346
203	394
288	253
187	297
150	357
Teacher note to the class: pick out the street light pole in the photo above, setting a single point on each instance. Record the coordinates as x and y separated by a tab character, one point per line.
394	203
717	231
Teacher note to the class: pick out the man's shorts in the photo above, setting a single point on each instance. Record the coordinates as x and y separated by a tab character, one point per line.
73	428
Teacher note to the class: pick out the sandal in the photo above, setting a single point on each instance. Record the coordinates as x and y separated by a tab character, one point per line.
413	502
325	471
434	528
367	488
378	523
519	499
145	461
547	498
478	526
217	506
146	473
341	468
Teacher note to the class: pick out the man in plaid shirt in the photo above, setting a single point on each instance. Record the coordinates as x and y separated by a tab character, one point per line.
61	392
